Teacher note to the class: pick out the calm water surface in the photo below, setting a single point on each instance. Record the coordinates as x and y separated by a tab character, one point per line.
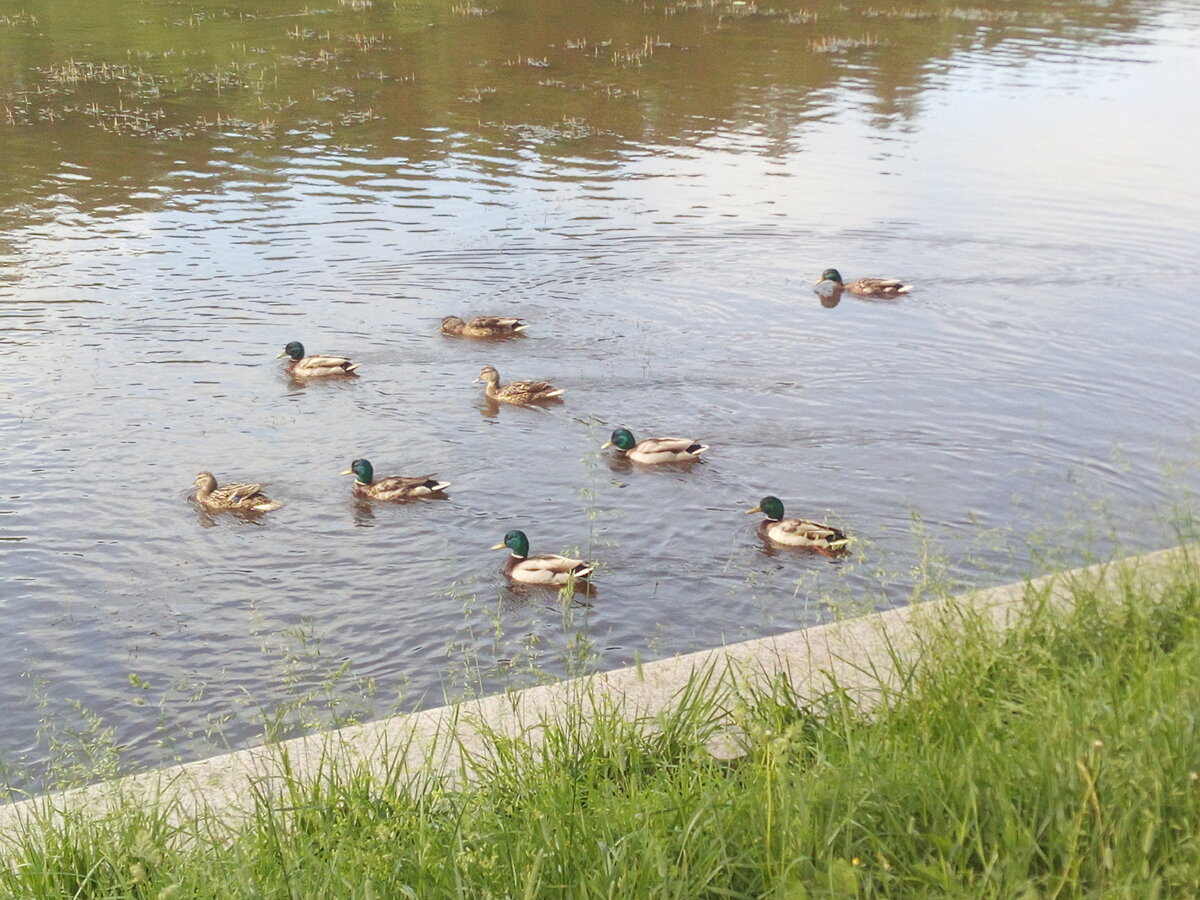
186	187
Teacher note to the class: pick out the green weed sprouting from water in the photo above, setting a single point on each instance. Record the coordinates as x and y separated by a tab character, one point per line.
318	693
79	745
528	635
75	744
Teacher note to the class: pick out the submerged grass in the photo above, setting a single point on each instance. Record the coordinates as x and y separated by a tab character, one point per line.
1055	758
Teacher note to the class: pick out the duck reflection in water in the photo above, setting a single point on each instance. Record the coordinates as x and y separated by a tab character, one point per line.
580	595
829	298
364	513
209	519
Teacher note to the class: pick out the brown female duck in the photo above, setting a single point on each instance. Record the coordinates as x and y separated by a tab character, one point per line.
235	496
519	392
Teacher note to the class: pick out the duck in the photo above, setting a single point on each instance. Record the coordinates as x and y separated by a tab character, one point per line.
301	366
395	487
236	496
796	532
483	326
654	450
867	287
519	392
547	569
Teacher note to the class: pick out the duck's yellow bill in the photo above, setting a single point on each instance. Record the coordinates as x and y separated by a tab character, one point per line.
282	354
500	546
606	445
756	509
820	281
348	472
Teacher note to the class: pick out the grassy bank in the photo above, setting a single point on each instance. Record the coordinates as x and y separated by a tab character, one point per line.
1059	758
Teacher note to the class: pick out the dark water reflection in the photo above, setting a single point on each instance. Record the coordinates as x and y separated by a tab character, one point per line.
653	187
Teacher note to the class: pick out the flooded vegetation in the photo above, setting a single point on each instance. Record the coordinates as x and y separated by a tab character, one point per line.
652	188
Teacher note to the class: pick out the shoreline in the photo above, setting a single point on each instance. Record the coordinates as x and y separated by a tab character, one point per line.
859	656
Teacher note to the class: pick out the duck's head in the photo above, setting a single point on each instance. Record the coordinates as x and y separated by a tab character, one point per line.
294	349
489	374
205	481
362	470
771	507
622	439
516	542
452	323
830	275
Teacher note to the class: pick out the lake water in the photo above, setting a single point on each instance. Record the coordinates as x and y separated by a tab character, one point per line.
654	186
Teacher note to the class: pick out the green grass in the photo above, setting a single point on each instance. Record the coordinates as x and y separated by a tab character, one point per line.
1058	759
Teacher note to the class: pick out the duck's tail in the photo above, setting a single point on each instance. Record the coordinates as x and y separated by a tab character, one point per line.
837	540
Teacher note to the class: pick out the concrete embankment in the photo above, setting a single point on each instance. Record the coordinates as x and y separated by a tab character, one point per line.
860	656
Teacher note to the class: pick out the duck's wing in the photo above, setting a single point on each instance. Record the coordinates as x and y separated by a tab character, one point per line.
324	365
236	491
534	389
807	532
550	568
498	323
410	486
879	286
671	445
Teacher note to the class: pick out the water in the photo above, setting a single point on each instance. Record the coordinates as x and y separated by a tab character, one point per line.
654	188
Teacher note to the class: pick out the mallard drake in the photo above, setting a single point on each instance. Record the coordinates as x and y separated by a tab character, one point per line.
796	532
483	326
548	569
244	497
654	450
520	392
867	287
397	487
301	366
